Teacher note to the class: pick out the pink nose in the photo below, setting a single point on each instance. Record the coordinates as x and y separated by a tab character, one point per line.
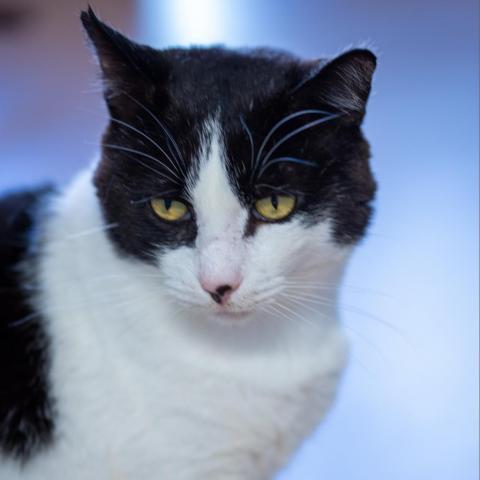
219	290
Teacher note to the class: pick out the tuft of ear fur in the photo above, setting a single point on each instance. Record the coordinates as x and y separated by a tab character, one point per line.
124	63
343	83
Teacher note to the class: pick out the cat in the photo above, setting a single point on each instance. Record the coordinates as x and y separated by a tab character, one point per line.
172	313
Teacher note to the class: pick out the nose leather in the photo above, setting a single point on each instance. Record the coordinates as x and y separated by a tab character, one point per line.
220	294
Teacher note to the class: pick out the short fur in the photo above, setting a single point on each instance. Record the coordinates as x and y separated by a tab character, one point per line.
26	406
118	358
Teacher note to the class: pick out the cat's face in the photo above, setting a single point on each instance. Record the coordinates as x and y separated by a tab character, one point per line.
236	175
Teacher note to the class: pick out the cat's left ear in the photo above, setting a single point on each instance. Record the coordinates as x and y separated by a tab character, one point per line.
126	66
343	84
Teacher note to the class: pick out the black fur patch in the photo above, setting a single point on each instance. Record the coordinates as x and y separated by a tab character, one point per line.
160	101
26	408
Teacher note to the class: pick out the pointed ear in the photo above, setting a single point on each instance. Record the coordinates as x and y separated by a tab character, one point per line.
343	83
125	65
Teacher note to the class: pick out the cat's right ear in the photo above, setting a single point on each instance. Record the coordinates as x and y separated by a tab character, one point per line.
341	85
126	66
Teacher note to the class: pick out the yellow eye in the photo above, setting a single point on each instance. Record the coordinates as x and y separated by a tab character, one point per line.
275	207
170	210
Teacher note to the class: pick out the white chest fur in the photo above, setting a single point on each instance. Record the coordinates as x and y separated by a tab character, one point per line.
146	392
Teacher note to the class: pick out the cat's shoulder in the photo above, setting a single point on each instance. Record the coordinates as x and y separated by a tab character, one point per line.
26	421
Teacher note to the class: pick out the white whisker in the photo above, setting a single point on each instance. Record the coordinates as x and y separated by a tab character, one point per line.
136	130
161	125
296	132
103	300
282	122
90	231
145	155
250	138
296	315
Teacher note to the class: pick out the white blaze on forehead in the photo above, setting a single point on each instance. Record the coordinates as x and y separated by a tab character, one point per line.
220	217
217	208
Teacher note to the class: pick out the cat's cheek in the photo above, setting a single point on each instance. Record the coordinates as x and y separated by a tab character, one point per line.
321	245
179	275
290	252
276	248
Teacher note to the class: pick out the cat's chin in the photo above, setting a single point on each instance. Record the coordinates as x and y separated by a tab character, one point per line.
232	317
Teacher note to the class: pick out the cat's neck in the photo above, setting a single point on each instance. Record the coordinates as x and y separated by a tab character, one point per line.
111	302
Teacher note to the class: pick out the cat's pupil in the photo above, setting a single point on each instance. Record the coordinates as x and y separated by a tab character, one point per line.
274	201
168	203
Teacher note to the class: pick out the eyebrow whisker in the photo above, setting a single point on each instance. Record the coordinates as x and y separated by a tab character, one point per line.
279	124
299	161
297	131
136	130
250	138
162	126
142	154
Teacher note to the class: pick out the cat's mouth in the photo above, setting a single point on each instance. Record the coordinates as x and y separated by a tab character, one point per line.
231	314
234	313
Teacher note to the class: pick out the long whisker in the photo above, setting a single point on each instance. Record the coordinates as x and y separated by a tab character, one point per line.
297	131
273	309
299	161
278	125
158	172
301	303
300	281
160	124
282	122
367	341
322	301
137	152
175	164
355	331
136	130
266	308
85	233
91	231
105	300
314	297
296	315
361	336
335	287
250	138
99	278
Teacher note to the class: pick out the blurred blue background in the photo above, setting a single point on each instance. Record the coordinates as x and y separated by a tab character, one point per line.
409	404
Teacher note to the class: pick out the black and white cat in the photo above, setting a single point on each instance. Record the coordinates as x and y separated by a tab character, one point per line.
171	314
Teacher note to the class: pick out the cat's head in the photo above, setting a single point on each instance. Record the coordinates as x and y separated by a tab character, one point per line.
238	175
